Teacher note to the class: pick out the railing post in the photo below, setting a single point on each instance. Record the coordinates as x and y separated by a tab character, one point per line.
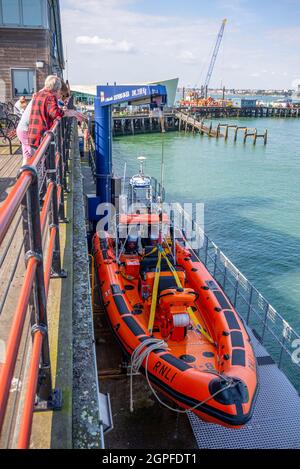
59	138
65	151
215	262
281	352
44	389
236	288
249	305
61	168
225	274
206	250
57	271
265	322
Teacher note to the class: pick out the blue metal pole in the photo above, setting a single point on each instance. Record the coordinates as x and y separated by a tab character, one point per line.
103	143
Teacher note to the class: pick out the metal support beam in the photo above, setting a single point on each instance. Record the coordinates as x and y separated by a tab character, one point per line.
103	141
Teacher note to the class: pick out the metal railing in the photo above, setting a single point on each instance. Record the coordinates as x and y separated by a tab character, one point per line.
268	326
37	201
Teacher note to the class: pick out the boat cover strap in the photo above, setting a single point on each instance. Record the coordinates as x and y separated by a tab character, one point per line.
154	294
151	252
190	311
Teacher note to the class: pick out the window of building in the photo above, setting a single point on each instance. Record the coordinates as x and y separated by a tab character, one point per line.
23	82
10	11
24	13
32	13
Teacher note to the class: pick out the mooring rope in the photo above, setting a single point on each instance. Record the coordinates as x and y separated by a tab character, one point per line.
143	352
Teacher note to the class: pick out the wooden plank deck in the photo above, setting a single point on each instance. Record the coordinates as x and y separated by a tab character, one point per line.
9	166
198	125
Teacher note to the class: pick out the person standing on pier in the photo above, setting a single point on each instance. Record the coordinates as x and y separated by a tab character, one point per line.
45	110
22	133
23	126
20	106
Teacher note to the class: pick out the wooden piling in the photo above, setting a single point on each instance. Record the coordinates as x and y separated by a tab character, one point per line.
255	137
226	132
235	133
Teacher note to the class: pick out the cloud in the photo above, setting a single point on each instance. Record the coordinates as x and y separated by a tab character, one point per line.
148	45
289	36
153	43
187	57
106	43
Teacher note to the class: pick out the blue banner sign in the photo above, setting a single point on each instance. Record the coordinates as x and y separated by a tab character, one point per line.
123	93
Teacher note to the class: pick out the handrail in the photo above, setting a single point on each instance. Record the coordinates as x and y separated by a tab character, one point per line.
14	199
53	154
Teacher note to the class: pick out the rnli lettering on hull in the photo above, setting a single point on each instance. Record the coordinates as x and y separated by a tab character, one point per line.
110	459
164	371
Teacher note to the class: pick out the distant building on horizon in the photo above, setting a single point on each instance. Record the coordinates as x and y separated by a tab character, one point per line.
86	94
30	46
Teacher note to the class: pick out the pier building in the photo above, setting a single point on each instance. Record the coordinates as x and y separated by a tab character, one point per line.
30	46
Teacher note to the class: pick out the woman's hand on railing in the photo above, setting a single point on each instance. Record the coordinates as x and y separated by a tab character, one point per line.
78	115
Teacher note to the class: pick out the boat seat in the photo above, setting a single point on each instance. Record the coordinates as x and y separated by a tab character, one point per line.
148	264
166	280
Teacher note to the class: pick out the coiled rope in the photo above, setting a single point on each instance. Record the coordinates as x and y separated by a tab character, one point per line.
143	352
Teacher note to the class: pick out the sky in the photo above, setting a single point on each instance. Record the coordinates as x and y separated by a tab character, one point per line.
135	41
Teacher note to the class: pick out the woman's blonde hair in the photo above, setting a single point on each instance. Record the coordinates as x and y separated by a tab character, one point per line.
53	83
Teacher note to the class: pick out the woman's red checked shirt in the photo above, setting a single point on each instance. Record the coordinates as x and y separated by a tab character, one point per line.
44	112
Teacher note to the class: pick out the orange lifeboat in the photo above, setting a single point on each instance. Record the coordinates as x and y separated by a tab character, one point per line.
208	365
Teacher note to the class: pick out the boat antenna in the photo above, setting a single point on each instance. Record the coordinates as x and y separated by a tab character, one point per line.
142	160
162	167
160	199
124	178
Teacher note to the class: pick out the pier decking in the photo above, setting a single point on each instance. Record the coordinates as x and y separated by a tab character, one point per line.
143	123
230	112
187	122
275	422
191	123
9	166
125	123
